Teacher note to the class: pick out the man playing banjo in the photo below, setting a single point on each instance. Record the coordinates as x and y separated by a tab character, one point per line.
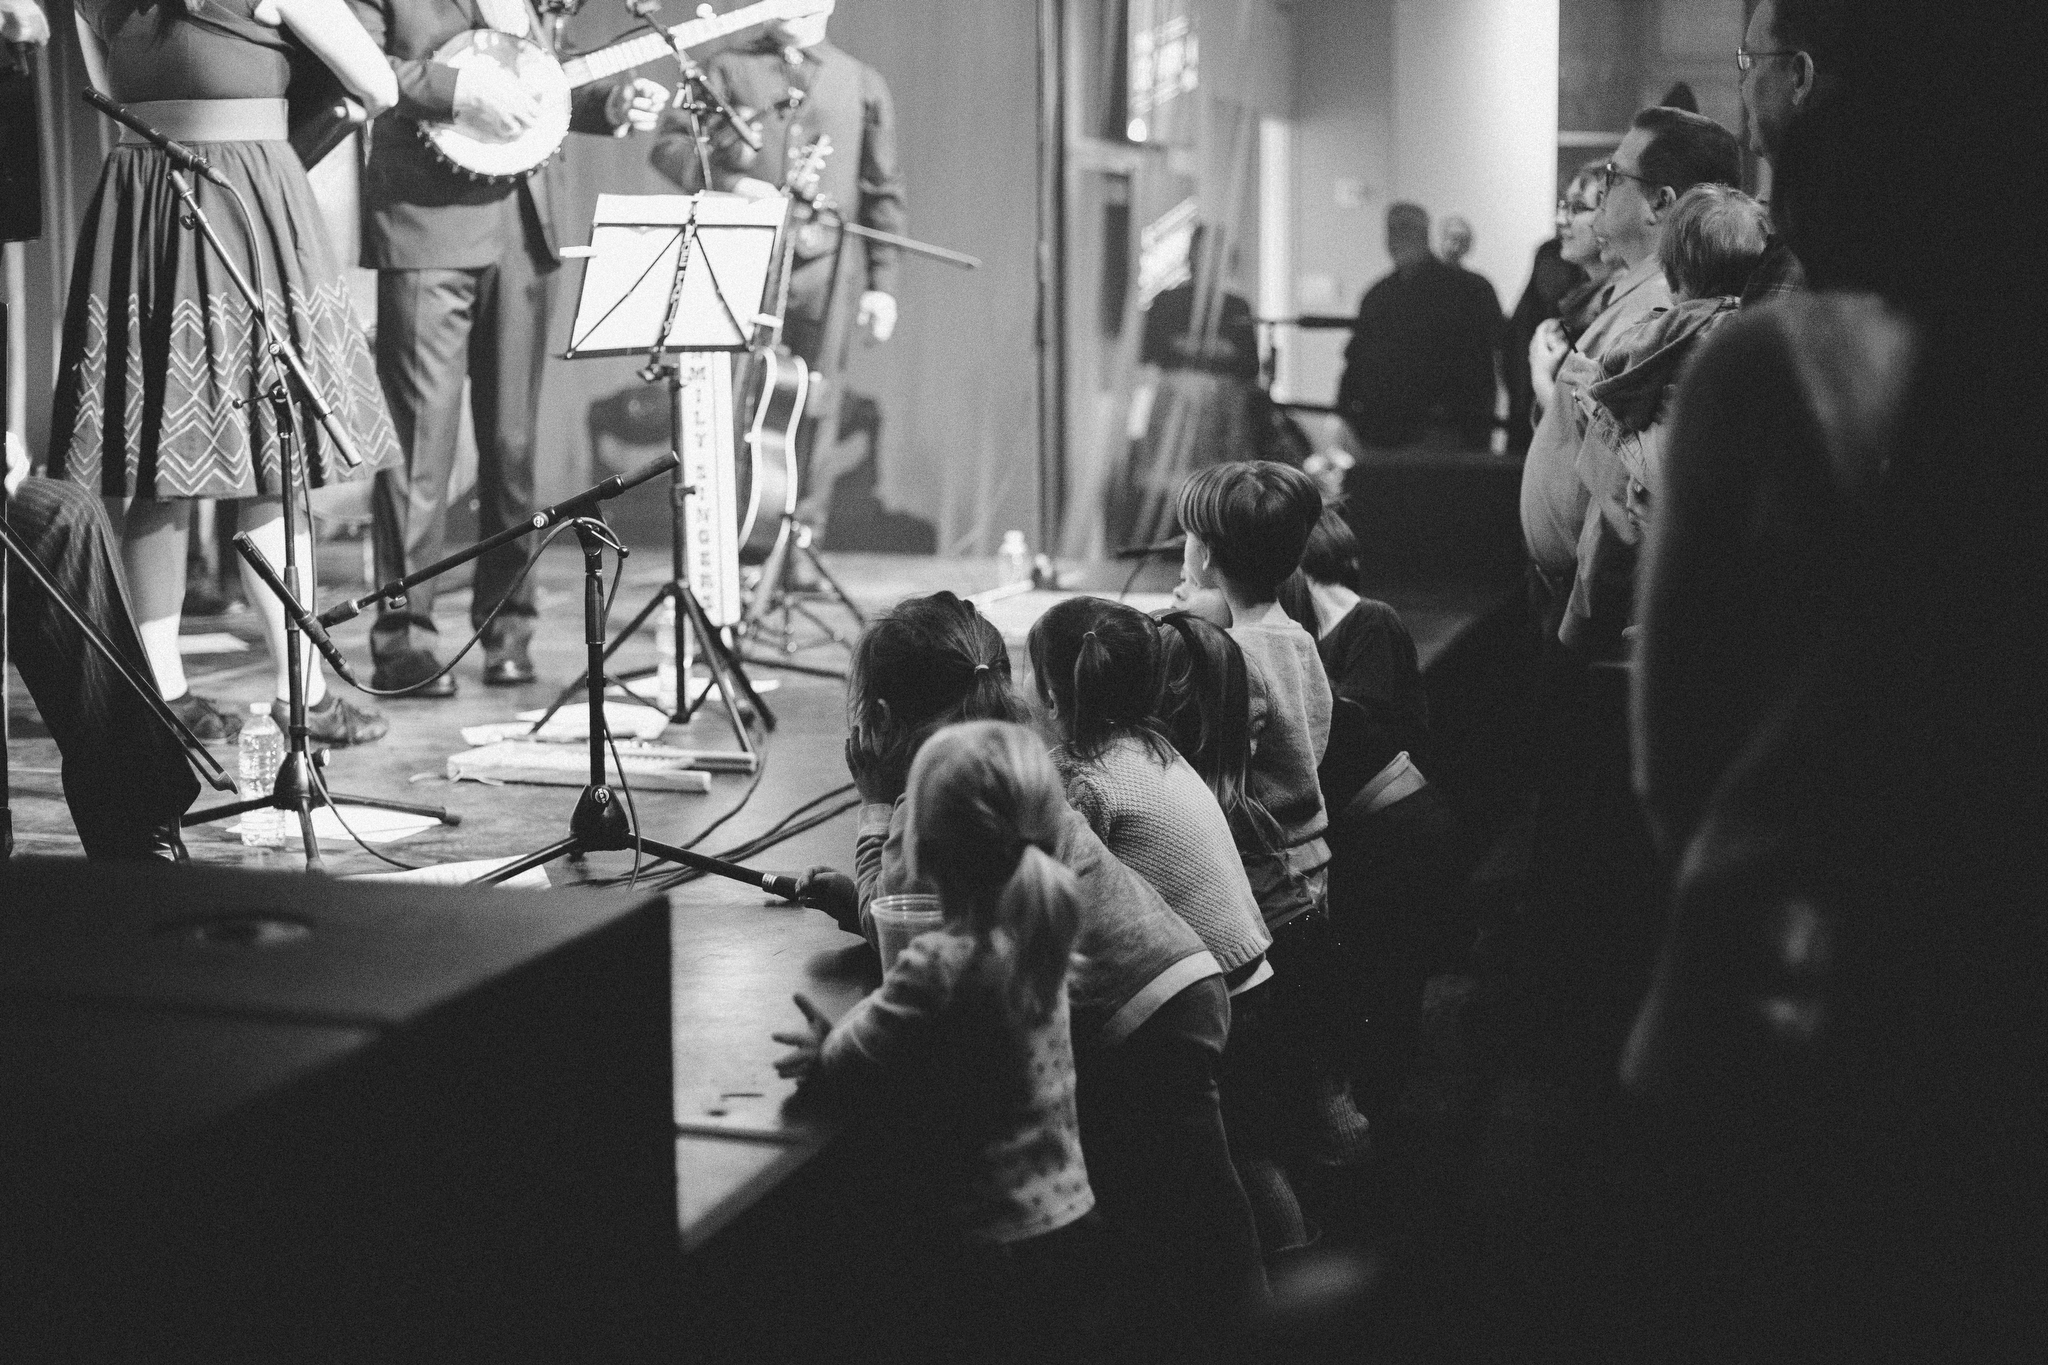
466	268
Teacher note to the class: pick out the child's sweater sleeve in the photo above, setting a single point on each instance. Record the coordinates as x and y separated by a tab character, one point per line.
877	853
894	1018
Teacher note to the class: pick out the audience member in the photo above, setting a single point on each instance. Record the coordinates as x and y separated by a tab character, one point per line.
1096	664
973	1017
1579	246
1551	278
1454	241
1420	364
1394	856
1367	653
1709	249
1666	153
1789	54
1246	526
1841	744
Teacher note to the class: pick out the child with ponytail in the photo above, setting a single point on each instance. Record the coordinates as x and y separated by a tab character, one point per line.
972	1021
1096	664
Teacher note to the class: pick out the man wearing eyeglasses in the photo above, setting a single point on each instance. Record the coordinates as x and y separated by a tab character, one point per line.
1666	153
1787	58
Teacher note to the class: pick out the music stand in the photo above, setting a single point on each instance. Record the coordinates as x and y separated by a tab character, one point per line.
684	280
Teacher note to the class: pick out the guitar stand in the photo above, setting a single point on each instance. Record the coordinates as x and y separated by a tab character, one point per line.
601	823
776	594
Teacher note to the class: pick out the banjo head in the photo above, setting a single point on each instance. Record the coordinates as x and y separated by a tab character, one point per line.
469	149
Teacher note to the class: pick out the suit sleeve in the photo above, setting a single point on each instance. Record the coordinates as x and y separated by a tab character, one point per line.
586	106
426	90
881	181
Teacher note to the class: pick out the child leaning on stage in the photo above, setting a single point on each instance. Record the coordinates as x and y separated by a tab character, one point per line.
974	1017
1096	665
1247	524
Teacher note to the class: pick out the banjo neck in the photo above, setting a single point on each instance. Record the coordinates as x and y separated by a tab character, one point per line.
648	47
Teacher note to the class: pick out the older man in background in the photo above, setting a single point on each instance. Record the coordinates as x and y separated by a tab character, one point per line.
1420	363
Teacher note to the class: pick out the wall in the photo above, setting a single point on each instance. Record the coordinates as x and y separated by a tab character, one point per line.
1475	123
958	384
1343	159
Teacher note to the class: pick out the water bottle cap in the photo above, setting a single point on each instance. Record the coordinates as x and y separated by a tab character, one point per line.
259	708
1012	538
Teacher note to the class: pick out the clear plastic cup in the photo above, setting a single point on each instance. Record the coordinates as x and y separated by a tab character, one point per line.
899	919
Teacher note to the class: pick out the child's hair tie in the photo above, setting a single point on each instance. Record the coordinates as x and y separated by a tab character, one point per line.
981	668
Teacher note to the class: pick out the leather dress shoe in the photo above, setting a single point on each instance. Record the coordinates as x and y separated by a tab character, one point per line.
408	668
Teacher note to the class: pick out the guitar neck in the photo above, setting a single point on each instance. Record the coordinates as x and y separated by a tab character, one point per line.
650	47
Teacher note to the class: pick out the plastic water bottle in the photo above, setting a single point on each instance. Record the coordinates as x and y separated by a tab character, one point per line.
1013	561
262	753
665	657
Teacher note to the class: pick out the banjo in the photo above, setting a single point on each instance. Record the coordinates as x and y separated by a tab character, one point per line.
481	156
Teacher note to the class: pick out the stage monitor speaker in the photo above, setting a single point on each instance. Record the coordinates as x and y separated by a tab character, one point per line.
266	1116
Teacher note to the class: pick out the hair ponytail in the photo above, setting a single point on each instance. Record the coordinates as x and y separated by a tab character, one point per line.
1038	911
1096	663
985	806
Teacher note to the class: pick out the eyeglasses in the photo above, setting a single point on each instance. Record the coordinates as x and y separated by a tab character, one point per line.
1745	59
1572	208
1610	173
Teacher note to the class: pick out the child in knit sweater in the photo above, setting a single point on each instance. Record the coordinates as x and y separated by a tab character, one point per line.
1096	668
1247	524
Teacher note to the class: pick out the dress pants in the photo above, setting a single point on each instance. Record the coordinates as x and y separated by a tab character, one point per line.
434	327
125	776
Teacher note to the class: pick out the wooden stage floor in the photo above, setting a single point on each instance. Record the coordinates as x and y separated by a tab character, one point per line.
803	755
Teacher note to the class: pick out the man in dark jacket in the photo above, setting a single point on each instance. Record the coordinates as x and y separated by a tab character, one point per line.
1421	354
466	271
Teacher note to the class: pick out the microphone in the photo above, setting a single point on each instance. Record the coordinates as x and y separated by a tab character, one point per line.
308	626
1157	547
619	483
181	156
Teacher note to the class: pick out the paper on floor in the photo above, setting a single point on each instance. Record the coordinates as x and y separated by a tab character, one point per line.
461	874
372	825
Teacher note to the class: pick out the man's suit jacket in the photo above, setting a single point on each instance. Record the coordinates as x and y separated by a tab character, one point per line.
419	214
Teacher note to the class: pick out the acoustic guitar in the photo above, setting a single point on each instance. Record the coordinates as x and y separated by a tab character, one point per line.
784	382
470	151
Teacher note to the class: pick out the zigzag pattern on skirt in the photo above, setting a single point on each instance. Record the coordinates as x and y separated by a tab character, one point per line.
172	428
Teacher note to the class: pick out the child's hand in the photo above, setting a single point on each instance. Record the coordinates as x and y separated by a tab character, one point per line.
830	890
878	770
802	1061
